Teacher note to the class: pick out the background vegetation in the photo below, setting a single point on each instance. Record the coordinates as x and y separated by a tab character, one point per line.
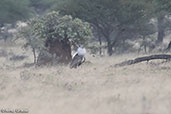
116	24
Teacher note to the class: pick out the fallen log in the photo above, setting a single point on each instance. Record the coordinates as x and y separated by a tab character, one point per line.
141	59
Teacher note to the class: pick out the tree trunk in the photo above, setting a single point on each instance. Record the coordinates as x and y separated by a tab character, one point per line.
113	43
100	43
66	52
109	48
161	32
34	54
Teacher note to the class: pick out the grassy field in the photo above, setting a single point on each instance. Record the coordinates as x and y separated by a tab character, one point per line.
93	88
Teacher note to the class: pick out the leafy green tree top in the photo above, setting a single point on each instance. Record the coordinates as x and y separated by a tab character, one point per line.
54	26
54	35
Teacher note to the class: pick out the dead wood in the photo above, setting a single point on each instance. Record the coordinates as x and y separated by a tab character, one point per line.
146	58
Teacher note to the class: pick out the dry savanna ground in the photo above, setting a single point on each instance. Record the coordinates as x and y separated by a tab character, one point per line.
93	88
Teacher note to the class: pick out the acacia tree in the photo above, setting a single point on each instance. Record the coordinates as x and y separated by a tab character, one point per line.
160	10
116	20
53	36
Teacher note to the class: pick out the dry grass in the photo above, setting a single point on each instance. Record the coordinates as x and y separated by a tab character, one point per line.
93	88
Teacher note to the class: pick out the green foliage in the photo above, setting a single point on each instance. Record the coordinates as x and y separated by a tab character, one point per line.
116	20
13	10
63	28
160	10
51	27
161	7
135	19
32	41
42	6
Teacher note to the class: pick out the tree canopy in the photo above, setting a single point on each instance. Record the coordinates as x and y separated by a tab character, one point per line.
116	20
13	10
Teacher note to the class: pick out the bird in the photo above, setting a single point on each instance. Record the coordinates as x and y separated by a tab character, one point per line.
78	58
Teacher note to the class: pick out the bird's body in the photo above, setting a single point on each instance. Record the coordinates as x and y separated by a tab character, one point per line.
78	58
81	51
